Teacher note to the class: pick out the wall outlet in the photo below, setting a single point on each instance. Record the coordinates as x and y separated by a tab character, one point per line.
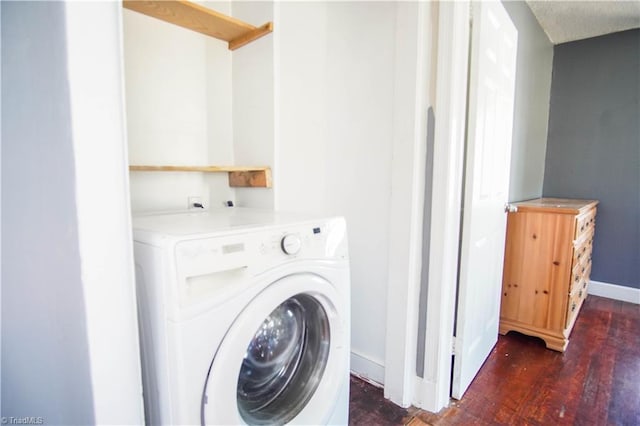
194	203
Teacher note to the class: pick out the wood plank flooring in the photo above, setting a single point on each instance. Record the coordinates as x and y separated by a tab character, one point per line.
595	382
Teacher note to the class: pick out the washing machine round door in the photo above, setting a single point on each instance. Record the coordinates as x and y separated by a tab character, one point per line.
284	362
283	359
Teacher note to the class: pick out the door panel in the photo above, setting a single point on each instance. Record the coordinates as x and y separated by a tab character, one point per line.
488	154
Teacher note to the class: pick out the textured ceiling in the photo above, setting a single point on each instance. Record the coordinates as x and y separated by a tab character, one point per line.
565	21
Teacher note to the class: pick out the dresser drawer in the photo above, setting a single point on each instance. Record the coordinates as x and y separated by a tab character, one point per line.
583	248
575	302
585	223
577	280
580	277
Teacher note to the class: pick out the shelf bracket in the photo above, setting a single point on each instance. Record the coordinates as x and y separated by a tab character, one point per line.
250	179
251	36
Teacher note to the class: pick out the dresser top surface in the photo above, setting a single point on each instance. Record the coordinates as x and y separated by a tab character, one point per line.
556	205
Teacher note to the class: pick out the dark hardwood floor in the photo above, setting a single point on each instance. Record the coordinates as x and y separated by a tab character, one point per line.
595	382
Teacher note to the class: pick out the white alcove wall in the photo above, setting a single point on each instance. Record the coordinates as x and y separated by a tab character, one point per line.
179	111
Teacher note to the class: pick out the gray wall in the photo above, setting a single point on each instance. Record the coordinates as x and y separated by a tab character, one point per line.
45	359
593	149
531	110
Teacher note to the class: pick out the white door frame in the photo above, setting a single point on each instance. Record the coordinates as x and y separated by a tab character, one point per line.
451	105
414	46
402	385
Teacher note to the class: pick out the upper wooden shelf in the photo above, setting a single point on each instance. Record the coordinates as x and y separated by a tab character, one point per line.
201	19
239	176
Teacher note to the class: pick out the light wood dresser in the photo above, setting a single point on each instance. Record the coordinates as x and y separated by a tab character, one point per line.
546	267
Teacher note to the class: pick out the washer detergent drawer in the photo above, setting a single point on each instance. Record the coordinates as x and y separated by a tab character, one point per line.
209	272
202	257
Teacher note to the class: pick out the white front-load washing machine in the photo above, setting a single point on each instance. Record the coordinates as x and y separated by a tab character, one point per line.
244	317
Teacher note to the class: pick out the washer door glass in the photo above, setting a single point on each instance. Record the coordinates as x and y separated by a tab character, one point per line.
284	362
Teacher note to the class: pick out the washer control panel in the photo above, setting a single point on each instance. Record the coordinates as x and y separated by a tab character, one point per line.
262	249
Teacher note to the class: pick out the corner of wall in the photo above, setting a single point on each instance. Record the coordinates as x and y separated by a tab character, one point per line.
254	102
531	110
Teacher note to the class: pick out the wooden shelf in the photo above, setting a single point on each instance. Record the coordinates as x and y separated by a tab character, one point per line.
201	19
239	176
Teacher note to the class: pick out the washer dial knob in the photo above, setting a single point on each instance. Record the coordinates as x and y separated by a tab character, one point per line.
291	244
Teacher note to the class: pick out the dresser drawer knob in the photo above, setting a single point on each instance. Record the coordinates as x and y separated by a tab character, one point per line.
555	262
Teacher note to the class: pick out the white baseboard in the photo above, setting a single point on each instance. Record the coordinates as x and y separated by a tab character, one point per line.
614	291
367	369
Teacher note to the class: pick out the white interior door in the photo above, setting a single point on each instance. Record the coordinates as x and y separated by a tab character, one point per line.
488	153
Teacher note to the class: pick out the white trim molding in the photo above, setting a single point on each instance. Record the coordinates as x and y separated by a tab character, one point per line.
414	48
615	291
432	391
367	369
